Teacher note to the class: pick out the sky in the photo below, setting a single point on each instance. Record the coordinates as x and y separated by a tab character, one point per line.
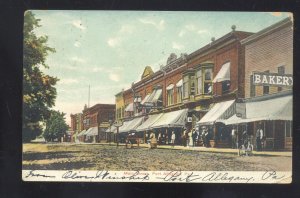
109	50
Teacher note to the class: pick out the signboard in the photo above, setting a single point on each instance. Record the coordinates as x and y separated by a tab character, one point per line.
272	79
149	107
189	119
118	123
104	125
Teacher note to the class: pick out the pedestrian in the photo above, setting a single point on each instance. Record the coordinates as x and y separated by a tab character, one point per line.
153	140
187	137
173	137
159	138
245	139
233	137
194	137
203	137
259	137
183	137
206	135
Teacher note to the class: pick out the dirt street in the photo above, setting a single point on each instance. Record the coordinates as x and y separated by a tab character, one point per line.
99	157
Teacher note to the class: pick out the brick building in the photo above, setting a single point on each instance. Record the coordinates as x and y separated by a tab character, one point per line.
76	125
177	96
266	111
96	122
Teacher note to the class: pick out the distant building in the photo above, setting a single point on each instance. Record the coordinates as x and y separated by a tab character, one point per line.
96	122
76	125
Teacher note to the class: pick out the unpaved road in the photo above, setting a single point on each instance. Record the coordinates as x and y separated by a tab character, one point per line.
105	157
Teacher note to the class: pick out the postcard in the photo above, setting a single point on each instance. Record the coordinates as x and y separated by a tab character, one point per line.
157	96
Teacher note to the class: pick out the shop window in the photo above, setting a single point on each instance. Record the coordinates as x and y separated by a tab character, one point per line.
186	86
288	129
170	97
269	127
179	94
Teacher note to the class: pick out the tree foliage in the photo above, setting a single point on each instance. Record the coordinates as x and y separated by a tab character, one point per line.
56	126
39	92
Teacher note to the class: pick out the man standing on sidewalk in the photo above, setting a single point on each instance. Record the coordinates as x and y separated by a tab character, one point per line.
259	137
233	138
173	137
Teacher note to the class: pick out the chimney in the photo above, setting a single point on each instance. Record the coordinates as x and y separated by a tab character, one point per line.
233	27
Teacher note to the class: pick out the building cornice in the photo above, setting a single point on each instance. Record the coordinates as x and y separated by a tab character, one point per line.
279	25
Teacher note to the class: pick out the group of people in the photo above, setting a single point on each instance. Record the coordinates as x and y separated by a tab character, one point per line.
187	138
245	139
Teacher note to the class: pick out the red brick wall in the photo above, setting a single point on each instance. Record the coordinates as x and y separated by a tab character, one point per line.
73	122
128	97
219	57
268	53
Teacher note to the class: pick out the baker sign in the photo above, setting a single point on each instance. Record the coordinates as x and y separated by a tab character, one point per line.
272	79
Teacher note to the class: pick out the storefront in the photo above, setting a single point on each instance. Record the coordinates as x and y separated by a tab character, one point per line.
92	134
80	136
272	114
218	133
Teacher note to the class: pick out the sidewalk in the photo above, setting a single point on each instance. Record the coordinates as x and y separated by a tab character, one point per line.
204	149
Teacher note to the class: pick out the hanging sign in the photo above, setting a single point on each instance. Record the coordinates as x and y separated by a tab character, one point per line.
272	79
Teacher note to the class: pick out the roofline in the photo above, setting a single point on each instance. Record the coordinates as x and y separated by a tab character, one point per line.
215	43
267	30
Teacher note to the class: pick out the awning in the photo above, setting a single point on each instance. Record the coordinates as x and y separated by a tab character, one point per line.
272	109
157	95
129	107
154	96
222	110
171	86
111	129
179	83
145	99
81	133
131	125
149	122
92	131
223	74
171	119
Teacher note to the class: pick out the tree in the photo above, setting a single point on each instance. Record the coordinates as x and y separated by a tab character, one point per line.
56	126
39	92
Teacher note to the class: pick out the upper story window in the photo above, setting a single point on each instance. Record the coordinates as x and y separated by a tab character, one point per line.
223	77
225	86
199	82
170	94
185	86
208	82
266	89
281	70
203	79
179	91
